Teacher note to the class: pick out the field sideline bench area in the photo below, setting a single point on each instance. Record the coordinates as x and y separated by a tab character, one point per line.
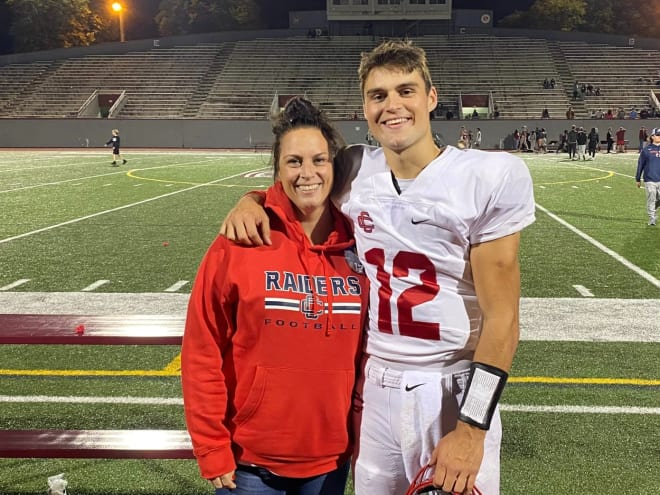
93	330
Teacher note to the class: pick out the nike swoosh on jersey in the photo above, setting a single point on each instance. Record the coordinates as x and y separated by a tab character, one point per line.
415	221
413	387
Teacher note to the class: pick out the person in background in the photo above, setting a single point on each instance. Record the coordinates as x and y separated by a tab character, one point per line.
648	169
581	143
592	142
609	139
115	141
561	143
643	138
437	230
477	139
621	140
571	139
272	334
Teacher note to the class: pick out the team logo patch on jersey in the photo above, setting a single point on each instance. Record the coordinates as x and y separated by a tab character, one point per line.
365	222
353	261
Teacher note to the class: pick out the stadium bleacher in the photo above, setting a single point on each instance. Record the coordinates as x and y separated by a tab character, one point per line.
237	80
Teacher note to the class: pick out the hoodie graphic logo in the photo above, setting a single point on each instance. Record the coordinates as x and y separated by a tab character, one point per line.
312	307
365	222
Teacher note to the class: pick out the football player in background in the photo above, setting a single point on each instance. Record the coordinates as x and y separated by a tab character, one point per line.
437	230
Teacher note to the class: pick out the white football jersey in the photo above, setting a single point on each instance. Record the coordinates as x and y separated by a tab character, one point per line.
415	247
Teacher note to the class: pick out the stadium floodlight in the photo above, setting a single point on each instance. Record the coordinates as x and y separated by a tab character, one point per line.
117	7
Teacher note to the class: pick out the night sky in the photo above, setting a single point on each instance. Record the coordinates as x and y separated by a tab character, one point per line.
141	25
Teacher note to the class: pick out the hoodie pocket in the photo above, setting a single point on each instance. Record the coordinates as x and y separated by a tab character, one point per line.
296	415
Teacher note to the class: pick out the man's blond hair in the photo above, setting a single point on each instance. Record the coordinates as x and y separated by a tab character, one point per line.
398	55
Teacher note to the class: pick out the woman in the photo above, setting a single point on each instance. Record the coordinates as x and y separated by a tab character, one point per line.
272	332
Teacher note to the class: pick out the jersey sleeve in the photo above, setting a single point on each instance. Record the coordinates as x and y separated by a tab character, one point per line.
510	204
347	166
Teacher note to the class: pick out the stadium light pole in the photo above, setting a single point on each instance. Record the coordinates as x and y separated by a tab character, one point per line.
117	7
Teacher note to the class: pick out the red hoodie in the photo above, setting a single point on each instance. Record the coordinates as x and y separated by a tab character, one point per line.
270	348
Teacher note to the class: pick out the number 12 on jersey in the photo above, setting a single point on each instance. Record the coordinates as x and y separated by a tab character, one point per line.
402	263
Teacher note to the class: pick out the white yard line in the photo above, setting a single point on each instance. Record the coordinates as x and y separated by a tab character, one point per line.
642	273
87	177
177	286
15	284
119	208
174	401
95	285
583	291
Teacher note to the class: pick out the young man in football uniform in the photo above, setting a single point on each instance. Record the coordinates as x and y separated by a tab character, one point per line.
437	230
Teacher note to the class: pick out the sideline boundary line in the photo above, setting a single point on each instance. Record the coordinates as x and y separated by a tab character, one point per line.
176	401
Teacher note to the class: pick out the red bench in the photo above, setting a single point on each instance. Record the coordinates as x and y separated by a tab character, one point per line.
96	444
98	330
95	330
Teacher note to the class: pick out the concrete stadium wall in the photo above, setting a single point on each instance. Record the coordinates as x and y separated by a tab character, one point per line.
249	134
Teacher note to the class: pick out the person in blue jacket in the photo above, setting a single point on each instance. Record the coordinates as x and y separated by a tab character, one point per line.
648	168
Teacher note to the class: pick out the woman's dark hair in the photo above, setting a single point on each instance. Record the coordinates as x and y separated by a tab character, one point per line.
299	113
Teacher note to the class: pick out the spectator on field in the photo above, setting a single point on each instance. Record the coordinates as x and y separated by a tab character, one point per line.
477	139
609	139
524	144
648	169
581	143
242	371
643	138
561	143
571	139
592	142
621	140
531	139
516	139
463	138
115	141
541	140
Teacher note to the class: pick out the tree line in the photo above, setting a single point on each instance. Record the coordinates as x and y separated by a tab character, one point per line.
34	25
